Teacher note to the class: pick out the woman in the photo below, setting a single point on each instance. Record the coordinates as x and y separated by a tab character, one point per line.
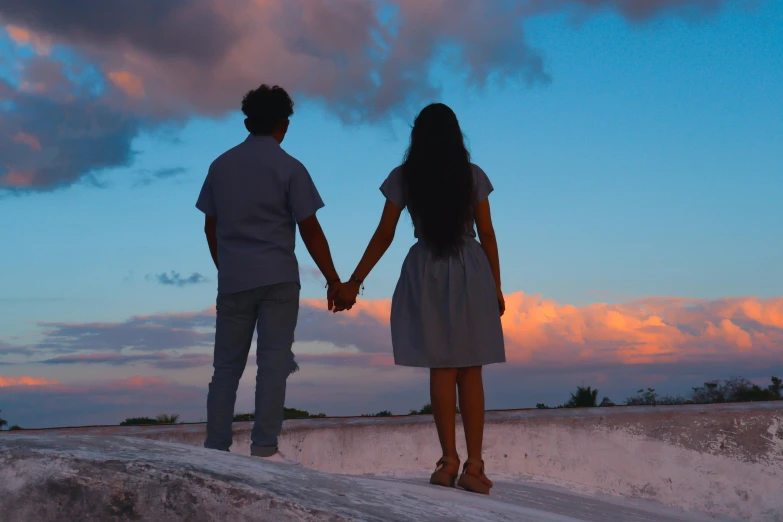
447	305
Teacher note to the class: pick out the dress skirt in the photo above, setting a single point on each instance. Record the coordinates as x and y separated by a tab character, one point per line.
445	311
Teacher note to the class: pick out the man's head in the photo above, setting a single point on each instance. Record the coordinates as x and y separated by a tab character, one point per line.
267	110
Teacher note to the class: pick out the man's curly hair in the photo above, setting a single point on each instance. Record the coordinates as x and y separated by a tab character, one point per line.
266	107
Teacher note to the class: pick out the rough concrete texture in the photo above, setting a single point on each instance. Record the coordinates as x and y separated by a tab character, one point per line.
721	459
88	477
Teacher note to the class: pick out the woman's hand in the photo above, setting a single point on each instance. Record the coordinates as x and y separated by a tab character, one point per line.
345	296
501	302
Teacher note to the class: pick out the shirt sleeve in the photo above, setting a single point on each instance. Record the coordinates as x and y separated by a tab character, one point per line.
483	187
303	197
206	199
394	189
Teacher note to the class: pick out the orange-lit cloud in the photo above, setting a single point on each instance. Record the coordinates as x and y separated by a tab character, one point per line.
24	381
537	331
23	36
27	139
655	330
17	178
129	83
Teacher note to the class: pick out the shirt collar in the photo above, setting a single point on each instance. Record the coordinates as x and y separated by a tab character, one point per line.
261	139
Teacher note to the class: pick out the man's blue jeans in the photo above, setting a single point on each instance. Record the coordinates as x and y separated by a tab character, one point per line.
273	311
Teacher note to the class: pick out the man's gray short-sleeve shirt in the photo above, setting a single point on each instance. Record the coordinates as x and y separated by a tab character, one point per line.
257	193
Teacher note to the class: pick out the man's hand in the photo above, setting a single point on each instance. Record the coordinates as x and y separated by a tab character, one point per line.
332	289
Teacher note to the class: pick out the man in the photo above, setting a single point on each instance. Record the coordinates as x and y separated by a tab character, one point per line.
253	197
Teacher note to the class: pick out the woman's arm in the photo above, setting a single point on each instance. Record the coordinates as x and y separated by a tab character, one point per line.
380	242
489	243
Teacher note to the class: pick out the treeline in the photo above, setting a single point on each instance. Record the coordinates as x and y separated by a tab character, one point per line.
736	389
288	413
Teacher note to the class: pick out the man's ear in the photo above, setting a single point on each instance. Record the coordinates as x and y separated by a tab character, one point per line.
284	125
247	125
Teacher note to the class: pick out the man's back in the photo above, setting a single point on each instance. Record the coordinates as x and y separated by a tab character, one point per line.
257	193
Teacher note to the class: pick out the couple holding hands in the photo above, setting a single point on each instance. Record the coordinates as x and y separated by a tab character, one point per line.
446	307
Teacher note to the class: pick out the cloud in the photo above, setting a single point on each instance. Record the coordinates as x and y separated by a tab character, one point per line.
157	360
100	402
6	382
311	273
152	333
54	131
538	332
365	60
150	177
175	279
544	333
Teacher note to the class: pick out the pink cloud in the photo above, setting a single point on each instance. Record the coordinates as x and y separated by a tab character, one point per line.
27	139
655	330
24	381
17	178
128	83
22	36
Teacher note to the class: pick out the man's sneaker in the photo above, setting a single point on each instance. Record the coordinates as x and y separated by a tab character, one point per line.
270	455
277	457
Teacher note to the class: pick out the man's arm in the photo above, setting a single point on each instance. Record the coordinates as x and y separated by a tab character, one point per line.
210	229
315	242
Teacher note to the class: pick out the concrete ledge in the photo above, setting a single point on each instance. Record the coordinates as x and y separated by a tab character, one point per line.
721	459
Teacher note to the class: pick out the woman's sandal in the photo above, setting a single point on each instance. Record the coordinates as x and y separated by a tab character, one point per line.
473	483
441	477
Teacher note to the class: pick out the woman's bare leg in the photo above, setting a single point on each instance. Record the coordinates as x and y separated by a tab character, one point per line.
443	398
471	406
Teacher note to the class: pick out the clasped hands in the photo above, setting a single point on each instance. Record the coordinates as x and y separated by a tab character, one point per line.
342	296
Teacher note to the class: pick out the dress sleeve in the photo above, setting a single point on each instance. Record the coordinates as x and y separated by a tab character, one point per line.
302	194
206	199
394	189
483	187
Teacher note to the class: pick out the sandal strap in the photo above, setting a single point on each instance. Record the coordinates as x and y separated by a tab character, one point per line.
472	462
446	461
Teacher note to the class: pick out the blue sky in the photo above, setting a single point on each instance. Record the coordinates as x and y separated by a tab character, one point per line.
648	166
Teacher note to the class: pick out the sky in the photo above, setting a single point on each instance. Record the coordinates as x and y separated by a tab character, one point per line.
634	148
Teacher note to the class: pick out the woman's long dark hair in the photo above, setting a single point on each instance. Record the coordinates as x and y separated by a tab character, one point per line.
438	179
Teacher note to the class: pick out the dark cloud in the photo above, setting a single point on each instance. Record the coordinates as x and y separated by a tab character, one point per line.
148	178
163	62
54	132
190	30
175	279
158	360
140	333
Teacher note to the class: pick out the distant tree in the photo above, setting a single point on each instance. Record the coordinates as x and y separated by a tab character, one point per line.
384	413
138	421
3	422
585	397
167	419
15	427
293	413
710	393
606	402
671	400
643	398
288	413
425	410
776	387
542	406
